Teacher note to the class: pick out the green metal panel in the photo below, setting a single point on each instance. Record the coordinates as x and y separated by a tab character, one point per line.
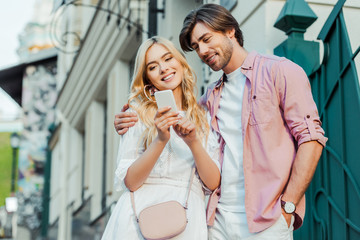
333	209
46	192
333	197
295	17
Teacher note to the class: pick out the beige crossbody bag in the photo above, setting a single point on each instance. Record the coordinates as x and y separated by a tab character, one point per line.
164	220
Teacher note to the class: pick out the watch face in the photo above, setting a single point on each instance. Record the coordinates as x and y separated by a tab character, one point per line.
289	207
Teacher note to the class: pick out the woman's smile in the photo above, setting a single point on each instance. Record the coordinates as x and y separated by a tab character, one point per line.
168	77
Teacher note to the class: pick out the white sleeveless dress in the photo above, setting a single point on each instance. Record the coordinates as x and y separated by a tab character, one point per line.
168	180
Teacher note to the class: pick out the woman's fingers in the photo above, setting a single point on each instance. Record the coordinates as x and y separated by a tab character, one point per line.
164	120
184	126
162	115
167	122
161	111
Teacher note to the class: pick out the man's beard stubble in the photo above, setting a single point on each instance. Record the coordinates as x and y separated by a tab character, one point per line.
227	50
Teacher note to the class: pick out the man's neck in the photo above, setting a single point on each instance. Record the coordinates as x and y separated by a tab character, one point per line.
236	60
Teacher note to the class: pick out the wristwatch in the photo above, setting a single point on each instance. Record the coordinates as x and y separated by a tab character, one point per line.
289	207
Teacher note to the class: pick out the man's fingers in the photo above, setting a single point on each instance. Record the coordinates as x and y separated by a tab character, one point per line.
125	115
120	126
118	121
122	131
125	107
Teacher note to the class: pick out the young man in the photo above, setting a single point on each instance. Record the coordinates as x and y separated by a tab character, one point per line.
268	126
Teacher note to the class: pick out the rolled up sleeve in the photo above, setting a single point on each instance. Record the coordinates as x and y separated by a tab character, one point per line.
296	100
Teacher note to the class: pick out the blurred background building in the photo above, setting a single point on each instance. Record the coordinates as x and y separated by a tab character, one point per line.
80	79
32	84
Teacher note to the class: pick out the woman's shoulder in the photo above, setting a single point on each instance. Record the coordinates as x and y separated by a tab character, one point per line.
133	105
131	109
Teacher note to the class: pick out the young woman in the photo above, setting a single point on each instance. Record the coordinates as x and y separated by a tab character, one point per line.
156	156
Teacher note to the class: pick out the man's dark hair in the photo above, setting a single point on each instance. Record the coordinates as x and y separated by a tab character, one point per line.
213	16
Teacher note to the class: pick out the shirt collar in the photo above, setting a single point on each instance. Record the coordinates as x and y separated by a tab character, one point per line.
221	81
248	64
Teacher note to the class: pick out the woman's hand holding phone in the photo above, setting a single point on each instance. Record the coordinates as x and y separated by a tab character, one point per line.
163	120
168	116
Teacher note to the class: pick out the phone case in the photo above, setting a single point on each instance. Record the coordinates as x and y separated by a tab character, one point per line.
165	98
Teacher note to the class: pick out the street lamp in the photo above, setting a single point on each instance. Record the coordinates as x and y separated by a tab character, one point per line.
14	142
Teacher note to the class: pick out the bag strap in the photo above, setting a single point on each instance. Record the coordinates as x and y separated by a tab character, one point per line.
190	184
187	195
133	204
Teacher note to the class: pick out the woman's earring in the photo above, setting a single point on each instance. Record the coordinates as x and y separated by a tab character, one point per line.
152	91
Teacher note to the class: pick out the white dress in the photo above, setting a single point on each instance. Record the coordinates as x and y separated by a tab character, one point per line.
167	181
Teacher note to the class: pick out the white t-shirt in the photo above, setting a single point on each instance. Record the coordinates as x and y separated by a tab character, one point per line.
229	120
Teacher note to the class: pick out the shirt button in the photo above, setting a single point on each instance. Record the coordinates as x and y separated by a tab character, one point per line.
308	116
254	97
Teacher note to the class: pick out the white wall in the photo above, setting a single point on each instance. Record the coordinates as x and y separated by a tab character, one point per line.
64	141
55	190
74	173
94	156
118	85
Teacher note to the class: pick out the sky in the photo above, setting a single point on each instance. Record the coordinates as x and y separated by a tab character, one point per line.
14	14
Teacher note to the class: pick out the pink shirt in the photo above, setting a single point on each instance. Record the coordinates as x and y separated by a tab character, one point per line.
278	114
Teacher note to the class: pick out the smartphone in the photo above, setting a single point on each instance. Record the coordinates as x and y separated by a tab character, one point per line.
165	98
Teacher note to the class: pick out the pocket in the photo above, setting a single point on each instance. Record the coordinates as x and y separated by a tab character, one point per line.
283	220
262	110
279	231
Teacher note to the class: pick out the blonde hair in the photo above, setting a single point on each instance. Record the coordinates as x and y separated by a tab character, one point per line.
146	109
